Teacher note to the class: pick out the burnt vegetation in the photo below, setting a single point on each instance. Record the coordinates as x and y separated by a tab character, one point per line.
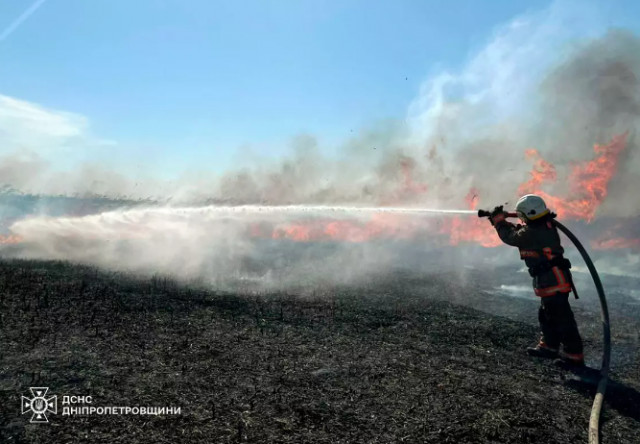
375	364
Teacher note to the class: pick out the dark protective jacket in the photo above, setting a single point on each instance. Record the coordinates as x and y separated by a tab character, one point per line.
539	245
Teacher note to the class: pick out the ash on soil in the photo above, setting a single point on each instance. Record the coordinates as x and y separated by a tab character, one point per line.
391	361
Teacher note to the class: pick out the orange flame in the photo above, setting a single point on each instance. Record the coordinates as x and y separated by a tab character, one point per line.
379	226
391	226
612	239
470	229
588	181
542	172
10	239
615	243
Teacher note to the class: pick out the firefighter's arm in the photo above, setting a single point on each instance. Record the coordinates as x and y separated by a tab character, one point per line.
509	233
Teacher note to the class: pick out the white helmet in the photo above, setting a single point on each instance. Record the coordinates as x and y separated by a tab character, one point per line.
531	207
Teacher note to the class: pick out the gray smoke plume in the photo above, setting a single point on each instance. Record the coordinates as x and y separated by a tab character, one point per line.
584	97
535	85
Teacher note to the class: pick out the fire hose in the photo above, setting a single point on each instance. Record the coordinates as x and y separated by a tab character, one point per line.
594	420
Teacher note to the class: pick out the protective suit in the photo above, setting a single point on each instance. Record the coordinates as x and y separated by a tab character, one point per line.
539	245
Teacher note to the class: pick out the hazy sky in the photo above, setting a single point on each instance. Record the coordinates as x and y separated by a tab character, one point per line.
166	85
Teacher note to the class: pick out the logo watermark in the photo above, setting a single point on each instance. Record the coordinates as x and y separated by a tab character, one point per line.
39	405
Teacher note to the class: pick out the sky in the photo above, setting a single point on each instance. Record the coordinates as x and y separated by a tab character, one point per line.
166	86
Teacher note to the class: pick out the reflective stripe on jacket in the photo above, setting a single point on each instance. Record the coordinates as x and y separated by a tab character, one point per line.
538	243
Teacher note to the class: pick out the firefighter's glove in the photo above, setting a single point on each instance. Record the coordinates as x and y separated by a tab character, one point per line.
497	215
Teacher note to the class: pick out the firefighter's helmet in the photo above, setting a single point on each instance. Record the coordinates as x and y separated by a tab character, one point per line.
531	207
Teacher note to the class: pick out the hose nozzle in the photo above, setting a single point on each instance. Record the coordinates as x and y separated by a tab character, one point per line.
485	213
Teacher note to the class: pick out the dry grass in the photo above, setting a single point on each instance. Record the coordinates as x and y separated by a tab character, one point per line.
375	366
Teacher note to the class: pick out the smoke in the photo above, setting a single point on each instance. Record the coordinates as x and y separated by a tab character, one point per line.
546	81
528	88
229	248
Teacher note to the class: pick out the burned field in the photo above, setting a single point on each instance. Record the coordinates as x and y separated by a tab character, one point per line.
390	361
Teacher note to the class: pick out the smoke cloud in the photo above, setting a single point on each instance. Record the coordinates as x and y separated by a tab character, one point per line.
538	84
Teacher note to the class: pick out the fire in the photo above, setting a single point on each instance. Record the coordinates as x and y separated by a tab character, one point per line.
470	229
379	226
615	243
542	172
453	230
588	181
621	235
10	239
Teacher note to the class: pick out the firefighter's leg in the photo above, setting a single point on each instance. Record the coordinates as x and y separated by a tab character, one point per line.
568	329
546	316
550	339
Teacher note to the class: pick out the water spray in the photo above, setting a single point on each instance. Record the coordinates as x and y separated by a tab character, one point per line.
594	420
321	209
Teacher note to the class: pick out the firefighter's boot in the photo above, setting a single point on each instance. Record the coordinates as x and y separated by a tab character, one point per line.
575	360
542	350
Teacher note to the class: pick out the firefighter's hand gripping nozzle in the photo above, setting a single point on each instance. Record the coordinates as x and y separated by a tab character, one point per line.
486	213
594	420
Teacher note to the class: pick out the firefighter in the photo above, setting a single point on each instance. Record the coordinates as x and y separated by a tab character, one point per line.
539	245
